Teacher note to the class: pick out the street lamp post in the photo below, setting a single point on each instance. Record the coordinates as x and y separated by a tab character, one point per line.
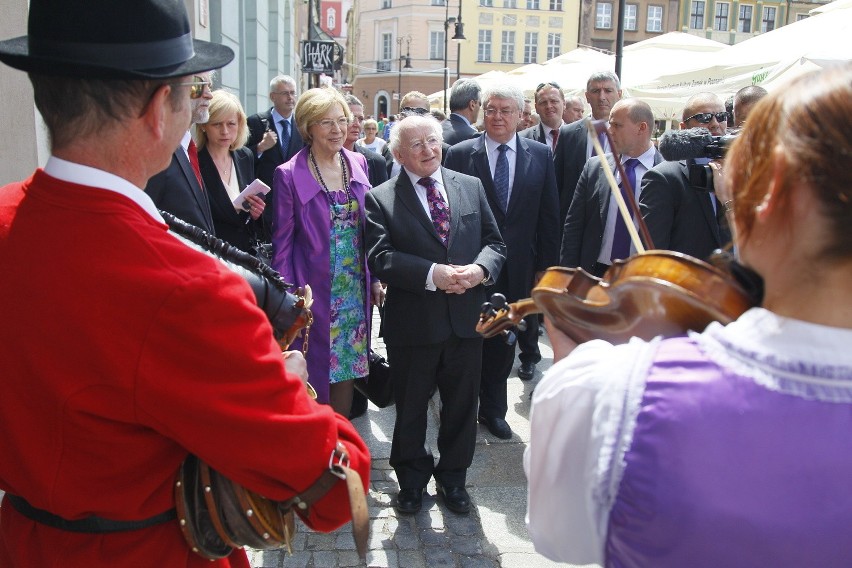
406	57
457	37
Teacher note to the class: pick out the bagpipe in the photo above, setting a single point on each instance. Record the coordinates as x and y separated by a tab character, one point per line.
215	514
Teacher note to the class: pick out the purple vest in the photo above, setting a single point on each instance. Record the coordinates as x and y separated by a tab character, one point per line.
725	472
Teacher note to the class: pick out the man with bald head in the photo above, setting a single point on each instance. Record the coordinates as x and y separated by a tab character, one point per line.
595	234
574	147
680	217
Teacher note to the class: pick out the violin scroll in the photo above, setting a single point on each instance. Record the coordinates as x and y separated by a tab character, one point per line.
498	317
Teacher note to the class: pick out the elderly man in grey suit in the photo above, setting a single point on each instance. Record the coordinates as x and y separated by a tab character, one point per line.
574	147
595	233
464	108
519	181
432	239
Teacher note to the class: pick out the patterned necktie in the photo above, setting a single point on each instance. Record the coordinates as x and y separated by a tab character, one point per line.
501	177
555	133
285	135
621	238
192	150
438	209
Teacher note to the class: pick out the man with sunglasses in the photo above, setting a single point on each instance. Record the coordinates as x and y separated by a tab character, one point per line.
680	217
179	188
413	103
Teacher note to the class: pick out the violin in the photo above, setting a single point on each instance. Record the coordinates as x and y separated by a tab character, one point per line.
652	293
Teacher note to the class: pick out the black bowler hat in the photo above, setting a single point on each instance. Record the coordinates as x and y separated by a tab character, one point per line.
111	39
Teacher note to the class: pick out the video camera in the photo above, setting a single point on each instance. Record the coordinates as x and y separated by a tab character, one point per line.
696	143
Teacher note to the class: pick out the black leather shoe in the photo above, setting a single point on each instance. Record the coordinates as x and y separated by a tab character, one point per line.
409	501
456	499
526	370
497	426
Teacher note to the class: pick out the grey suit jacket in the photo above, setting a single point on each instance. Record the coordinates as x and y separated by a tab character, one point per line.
584	226
530	226
402	245
679	217
177	191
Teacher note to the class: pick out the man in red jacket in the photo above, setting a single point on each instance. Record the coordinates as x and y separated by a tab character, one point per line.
123	350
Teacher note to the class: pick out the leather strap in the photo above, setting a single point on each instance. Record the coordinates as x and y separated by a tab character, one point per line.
91	524
338	469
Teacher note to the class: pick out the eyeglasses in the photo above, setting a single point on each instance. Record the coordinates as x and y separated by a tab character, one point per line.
358	118
548	84
196	86
417	110
706	117
420	145
503	112
327	124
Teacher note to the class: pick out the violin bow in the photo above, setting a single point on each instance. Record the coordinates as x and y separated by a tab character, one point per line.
597	127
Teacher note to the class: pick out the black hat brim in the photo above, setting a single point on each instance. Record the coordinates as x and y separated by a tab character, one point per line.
208	56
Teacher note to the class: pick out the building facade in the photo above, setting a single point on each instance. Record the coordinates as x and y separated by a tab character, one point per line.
643	19
397	46
732	21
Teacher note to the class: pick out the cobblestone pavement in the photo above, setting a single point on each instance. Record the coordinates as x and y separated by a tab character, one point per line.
493	535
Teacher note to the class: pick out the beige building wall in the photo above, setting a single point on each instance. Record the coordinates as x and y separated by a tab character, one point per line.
506	34
23	147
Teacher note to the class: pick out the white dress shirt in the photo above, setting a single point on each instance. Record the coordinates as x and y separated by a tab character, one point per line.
511	155
646	162
420	191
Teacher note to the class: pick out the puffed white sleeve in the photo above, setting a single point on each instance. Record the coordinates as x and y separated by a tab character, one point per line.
582	420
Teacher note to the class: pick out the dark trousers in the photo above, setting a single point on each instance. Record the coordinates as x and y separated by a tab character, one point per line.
454	367
528	340
497	360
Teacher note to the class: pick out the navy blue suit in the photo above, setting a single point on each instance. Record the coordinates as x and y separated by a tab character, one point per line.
177	191
530	230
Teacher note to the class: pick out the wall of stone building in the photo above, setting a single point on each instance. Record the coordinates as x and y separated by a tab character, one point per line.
23	146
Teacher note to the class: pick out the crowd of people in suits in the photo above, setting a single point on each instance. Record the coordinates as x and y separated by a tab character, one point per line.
543	188
633	446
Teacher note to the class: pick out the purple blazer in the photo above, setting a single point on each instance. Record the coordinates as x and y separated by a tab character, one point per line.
301	229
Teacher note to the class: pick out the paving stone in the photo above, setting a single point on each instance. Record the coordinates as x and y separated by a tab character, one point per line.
439	557
465	545
478	562
296	560
320	541
382	559
463	525
348	558
325	559
412	559
433	537
406	541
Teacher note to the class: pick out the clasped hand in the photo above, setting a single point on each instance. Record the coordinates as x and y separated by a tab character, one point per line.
454	279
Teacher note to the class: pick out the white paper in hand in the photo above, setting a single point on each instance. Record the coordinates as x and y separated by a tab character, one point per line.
256	187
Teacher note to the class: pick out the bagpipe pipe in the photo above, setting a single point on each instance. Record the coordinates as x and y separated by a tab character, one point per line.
215	514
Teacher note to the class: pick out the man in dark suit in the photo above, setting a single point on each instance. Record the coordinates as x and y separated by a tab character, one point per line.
376	166
680	217
432	239
595	233
464	108
179	188
549	104
574	146
521	188
273	136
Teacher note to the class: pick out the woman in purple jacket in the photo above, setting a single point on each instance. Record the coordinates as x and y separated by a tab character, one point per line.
318	239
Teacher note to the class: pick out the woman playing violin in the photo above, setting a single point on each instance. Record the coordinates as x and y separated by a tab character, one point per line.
729	447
